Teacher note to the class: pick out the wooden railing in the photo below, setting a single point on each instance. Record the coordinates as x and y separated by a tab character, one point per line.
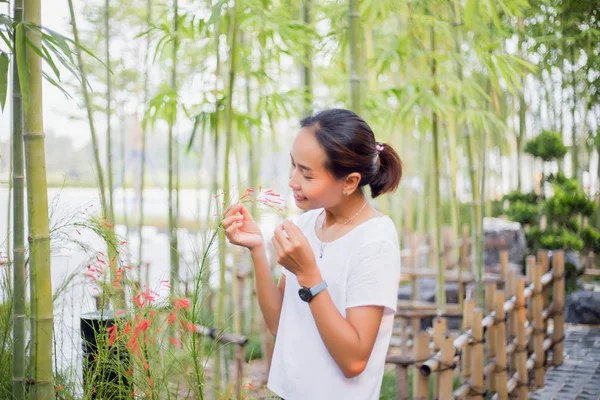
519	330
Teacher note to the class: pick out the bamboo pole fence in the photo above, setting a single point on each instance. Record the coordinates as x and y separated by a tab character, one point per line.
502	351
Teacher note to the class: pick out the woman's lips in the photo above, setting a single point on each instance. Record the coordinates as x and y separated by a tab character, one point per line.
298	197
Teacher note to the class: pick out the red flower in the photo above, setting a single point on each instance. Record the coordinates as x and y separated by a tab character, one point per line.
191	327
181	303
174	341
150	381
112	330
171	318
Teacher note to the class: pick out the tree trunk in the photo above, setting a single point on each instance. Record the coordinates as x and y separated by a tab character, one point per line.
18	193
355	54
37	200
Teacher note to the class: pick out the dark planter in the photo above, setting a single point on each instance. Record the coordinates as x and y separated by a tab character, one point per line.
104	367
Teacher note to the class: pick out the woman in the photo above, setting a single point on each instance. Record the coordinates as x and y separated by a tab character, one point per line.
333	309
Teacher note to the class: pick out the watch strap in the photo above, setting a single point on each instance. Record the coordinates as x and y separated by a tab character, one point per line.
315	290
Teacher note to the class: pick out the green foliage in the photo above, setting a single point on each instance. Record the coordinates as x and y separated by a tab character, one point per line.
565	203
554	239
547	145
527	198
253	349
591	239
524	213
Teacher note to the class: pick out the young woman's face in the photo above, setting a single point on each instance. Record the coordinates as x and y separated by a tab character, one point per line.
313	186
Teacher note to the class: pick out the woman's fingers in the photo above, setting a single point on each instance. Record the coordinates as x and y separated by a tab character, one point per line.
232	209
228	221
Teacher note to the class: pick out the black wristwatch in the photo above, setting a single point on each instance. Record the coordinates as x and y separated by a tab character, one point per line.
307	294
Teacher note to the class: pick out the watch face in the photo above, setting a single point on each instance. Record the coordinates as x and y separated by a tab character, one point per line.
304	294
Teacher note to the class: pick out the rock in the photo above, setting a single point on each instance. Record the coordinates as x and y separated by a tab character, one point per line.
583	307
500	233
427	291
572	257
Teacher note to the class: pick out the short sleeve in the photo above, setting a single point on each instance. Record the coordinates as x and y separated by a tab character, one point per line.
374	276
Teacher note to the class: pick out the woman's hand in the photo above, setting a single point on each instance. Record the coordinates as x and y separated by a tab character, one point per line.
295	254
240	228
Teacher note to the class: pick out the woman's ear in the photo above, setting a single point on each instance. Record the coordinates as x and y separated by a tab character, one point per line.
351	182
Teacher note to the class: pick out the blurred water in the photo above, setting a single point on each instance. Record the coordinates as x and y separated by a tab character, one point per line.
69	259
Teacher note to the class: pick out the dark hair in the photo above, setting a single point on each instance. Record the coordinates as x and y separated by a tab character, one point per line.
350	146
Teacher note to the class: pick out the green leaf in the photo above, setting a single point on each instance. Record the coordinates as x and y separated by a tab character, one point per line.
4	61
22	65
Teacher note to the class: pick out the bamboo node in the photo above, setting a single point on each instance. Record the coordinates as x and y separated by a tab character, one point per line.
500	320
447	366
475	391
520	349
539	330
499	370
562	339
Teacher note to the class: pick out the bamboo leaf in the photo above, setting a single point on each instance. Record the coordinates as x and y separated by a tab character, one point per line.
22	65
44	55
56	84
4	62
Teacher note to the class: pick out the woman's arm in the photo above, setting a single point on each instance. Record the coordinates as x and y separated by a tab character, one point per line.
349	340
269	294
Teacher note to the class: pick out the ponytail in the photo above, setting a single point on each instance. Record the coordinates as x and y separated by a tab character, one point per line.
389	171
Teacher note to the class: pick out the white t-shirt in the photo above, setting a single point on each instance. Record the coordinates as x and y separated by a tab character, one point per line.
361	268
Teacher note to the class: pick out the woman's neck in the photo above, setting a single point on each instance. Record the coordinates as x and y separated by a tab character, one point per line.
345	210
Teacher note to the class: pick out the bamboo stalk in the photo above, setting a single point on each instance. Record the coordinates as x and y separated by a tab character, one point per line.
354	32
512	321
144	134
172	202
232	35
18	195
306	65
89	110
558	300
111	211
521	351
500	377
37	201
421	352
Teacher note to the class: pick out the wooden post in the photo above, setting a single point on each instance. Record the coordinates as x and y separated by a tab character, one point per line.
558	305
503	268
538	324
476	355
421	352
544	264
490	293
512	321
415	322
530	266
591	260
466	353
445	372
440	328
240	352
521	349
500	373
402	379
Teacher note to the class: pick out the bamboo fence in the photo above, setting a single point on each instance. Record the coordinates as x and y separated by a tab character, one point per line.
501	352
